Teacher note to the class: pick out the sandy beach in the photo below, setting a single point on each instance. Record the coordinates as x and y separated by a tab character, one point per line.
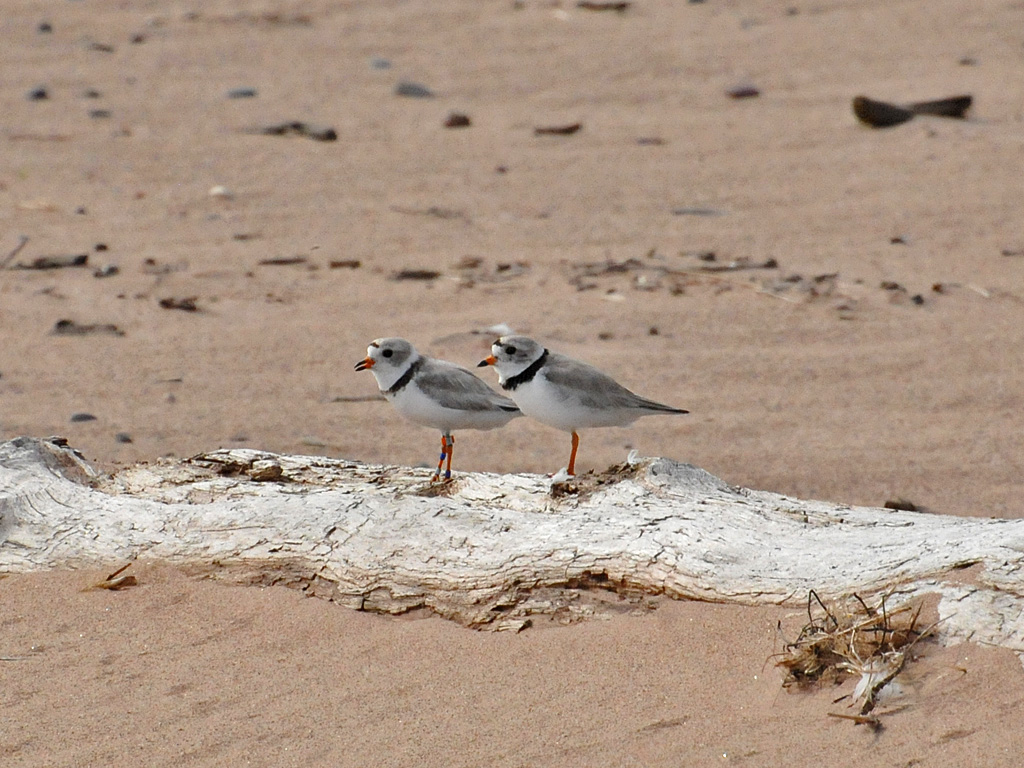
840	308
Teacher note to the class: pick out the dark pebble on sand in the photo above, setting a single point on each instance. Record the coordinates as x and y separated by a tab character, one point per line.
378	62
242	93
38	94
123	437
56	262
99	114
413	90
185	305
299	128
91	93
107	270
592	5
457	120
71	328
44	27
743	92
415	274
76	417
557	130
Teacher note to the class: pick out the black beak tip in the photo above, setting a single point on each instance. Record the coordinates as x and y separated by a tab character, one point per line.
482	364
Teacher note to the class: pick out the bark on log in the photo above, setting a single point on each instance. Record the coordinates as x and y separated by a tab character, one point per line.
491	550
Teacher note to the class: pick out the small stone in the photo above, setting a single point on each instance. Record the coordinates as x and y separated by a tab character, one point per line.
557	130
99	114
38	94
107	270
100	247
380	63
457	120
413	90
78	417
44	27
743	92
242	93
123	437
91	93
186	305
220	191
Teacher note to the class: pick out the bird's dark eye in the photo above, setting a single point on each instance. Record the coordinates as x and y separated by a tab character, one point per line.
510	350
387	353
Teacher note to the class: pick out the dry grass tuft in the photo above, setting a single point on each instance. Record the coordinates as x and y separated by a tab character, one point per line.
850	638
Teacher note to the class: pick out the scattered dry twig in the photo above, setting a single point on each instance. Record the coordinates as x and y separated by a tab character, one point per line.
22	241
116	581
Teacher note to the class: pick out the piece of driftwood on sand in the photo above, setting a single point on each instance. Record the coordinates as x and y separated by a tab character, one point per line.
492	551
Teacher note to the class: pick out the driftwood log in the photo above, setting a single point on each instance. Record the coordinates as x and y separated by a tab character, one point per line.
492	551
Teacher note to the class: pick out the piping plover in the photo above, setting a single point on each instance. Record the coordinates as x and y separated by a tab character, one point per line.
565	393
435	393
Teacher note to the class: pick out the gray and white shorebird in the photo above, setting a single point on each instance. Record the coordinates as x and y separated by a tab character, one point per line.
435	393
565	393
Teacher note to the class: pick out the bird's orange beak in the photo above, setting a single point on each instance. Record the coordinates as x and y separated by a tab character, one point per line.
365	364
489	360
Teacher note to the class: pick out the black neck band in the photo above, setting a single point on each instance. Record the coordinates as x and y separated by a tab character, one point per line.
406	377
527	375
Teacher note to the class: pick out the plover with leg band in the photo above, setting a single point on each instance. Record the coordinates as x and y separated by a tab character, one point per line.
564	393
435	393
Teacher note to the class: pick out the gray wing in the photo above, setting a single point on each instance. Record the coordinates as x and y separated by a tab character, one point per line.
595	389
455	387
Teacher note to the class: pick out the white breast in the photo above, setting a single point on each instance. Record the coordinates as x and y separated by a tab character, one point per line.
561	408
420	408
542	401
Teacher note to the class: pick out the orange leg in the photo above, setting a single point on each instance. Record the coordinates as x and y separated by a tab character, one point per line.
451	450
440	462
572	456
